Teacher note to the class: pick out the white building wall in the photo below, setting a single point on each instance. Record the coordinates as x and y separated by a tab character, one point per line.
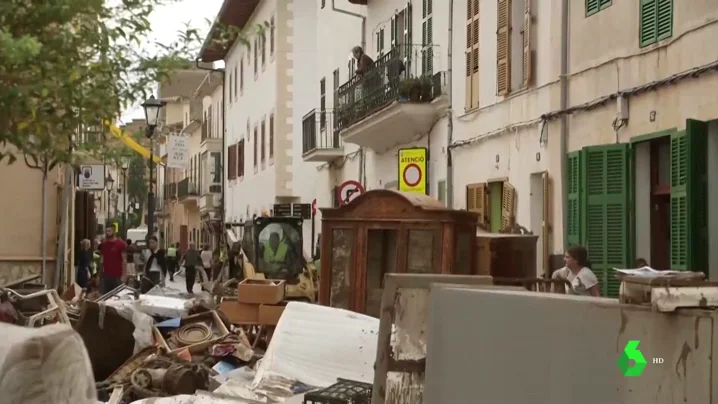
337	34
501	139
381	168
304	97
253	192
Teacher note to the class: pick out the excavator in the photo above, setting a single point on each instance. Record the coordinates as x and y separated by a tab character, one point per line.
278	233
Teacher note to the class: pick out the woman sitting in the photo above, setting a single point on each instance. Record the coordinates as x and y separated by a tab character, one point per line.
577	272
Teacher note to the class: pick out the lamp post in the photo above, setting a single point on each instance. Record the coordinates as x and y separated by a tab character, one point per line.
152	109
124	165
109	182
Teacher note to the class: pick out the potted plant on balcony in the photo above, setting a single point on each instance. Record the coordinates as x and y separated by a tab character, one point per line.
427	88
410	90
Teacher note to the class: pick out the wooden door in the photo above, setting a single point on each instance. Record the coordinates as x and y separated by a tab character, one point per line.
184	238
382	250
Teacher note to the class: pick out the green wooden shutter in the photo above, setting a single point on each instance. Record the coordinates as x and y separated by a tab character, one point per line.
606	214
573	226
697	195
679	201
591	7
647	31
664	19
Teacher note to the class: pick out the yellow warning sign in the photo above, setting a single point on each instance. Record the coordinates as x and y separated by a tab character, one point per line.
413	165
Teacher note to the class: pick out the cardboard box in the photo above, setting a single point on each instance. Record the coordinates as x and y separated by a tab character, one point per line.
260	291
269	314
240	313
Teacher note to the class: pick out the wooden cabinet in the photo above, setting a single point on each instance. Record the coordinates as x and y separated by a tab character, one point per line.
506	255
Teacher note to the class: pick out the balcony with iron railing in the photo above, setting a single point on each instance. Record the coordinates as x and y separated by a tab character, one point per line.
210	141
169	191
320	139
398	97
187	191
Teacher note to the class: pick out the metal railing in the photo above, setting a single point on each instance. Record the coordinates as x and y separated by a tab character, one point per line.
404	73
319	131
170	191
186	188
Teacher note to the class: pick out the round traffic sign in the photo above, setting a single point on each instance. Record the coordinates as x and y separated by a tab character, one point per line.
348	191
412	175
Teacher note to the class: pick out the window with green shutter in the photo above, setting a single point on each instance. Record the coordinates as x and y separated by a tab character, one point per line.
604	218
679	201
689	198
594	6
573	223
656	21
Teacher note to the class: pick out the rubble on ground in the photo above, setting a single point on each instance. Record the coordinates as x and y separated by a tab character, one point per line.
166	346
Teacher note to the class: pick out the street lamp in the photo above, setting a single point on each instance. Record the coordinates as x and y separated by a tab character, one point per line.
124	166
152	109
109	183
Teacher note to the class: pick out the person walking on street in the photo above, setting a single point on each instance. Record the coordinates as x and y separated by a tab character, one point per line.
171	258
84	264
191	263
206	256
131	267
155	265
114	260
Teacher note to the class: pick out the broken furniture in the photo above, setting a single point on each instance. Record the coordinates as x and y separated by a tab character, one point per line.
122	292
342	392
195	333
37	308
401	350
506	255
384	231
669	290
108	337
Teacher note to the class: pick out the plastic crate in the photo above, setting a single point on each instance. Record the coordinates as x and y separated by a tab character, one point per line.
341	392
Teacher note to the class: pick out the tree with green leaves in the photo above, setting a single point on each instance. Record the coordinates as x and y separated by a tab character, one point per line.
67	66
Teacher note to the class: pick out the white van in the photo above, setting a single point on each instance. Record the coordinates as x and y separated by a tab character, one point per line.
138	235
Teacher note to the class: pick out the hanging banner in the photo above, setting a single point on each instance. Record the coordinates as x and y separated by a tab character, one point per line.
413	171
177	151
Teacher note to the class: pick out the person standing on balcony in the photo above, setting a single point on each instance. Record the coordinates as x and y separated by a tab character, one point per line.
364	62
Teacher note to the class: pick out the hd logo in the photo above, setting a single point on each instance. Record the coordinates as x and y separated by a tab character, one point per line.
631	352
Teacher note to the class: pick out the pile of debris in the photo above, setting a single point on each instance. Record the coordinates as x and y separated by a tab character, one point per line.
249	346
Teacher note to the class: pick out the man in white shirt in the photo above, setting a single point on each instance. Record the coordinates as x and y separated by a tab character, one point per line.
206	257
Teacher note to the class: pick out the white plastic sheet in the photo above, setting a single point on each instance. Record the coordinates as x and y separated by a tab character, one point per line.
316	345
164	306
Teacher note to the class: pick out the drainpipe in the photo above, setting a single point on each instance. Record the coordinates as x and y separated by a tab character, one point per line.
563	139
224	145
363	22
450	115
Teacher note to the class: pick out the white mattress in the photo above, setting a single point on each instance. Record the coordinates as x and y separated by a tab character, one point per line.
316	345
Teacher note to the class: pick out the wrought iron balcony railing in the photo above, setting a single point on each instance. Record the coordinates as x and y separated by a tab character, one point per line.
319	131
404	73
170	191
186	188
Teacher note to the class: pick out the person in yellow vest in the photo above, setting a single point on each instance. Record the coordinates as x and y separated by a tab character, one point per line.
275	255
171	266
